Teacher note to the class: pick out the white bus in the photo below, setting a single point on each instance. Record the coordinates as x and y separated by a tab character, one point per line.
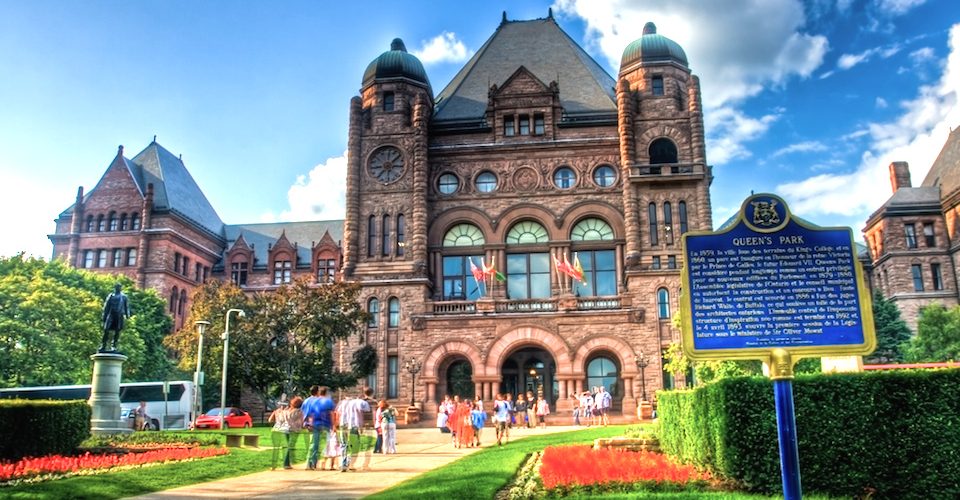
168	409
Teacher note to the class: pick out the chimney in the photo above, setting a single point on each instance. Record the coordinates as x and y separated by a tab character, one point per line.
899	175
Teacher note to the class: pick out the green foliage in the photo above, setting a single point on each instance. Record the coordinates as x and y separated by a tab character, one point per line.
33	428
938	335
137	439
674	361
364	361
892	332
50	325
857	433
284	344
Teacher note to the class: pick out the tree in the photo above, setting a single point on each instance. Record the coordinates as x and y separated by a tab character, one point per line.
285	343
50	325
893	334
938	335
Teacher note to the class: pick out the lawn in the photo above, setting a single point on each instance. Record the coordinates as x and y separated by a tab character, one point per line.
141	480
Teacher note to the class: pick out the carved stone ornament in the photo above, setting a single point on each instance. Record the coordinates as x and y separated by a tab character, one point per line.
638	315
525	179
418	323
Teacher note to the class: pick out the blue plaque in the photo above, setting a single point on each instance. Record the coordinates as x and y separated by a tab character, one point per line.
771	281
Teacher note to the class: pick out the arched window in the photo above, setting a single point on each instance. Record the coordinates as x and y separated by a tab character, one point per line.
527	232
113	221
663	303
599	265
174	296
401	234
652	215
373	307
102	258
682	207
182	306
528	273
371	236
463	235
458	280
393	313
602	372
123	221
131	256
460	380
663	151
88	259
90	225
668	223
385	247
101	223
135	222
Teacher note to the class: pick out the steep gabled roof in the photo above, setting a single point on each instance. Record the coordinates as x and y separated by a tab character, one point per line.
303	234
173	187
945	171
547	52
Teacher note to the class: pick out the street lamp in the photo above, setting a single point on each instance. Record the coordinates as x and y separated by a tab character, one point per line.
198	376
226	349
413	366
642	363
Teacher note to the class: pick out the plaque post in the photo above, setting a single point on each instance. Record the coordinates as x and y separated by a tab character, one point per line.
781	372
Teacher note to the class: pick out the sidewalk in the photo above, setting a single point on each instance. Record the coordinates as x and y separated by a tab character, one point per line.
420	450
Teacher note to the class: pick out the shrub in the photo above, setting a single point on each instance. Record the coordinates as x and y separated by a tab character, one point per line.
42	427
856	432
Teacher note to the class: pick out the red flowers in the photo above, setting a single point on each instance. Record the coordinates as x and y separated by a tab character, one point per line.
581	465
57	464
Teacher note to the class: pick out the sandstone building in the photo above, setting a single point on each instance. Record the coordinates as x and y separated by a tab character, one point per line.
530	156
913	238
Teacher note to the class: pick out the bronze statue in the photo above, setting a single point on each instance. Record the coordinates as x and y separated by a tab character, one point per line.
116	309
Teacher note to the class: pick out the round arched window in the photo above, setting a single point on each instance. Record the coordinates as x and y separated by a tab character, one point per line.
486	182
448	184
604	176
564	178
602	371
527	232
591	230
663	151
463	235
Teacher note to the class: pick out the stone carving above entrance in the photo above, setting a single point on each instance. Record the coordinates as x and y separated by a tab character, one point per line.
526	179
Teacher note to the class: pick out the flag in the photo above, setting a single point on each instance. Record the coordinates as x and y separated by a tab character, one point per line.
500	277
561	268
491	270
476	271
578	269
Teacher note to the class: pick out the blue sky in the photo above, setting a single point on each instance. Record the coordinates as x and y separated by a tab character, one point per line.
810	100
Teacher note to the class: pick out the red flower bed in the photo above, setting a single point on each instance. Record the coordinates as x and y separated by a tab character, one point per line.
57	464
583	466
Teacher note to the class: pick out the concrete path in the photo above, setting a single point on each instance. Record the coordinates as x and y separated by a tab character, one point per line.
419	450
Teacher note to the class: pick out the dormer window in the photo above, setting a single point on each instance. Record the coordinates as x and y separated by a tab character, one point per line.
388	101
508	126
657	85
538	124
524	124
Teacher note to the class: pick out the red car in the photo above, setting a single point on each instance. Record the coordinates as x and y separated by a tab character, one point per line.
235	417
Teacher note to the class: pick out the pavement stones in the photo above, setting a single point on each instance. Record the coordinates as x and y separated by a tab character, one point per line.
419	450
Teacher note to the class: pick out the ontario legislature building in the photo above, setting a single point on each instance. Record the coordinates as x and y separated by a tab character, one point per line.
519	230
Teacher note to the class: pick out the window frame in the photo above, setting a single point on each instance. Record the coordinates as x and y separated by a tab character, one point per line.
393	313
910	235
652	222
656	85
444	185
604	181
373	308
917	274
509	127
389	101
663	304
563	181
937	276
486	182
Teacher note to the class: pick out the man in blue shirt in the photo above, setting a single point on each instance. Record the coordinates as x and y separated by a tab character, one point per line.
501	415
316	417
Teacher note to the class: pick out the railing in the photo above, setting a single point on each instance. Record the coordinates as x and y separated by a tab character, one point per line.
528	305
665	169
455	307
597	304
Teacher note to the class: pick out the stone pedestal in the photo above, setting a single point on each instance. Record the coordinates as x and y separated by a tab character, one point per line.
105	395
412	415
646	410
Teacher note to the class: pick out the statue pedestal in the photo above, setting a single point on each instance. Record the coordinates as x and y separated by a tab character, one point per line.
412	415
105	395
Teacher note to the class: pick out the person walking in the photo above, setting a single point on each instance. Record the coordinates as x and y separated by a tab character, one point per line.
501	416
603	401
378	426
576	409
287	424
531	410
478	418
520	410
316	418
543	409
332	450
352	430
388	426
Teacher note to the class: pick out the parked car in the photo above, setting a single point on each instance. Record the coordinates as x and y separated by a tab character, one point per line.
234	417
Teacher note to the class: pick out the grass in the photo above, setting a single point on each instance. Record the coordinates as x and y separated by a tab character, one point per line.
142	480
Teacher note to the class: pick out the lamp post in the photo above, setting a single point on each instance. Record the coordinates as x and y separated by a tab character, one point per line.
226	350
413	366
198	376
642	363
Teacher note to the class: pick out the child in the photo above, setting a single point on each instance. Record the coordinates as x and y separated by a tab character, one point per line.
478	418
332	450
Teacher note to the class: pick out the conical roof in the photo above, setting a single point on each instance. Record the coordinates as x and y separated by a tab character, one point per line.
396	63
652	47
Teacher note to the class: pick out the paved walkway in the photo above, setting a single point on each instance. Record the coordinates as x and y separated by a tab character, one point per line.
420	450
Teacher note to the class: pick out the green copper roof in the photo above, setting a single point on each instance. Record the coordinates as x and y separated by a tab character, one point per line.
652	47
396	63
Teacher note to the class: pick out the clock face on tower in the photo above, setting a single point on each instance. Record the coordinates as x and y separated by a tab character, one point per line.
386	164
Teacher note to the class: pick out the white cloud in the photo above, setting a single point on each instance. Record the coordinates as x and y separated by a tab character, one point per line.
739	49
443	48
319	195
729	129
801	147
881	103
30	205
922	54
897	7
917	137
847	61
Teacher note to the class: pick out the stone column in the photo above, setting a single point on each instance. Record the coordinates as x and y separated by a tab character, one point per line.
105	395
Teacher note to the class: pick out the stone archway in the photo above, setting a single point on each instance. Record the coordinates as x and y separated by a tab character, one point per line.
439	359
528	343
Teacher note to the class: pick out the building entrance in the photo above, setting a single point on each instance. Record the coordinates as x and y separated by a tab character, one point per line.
530	369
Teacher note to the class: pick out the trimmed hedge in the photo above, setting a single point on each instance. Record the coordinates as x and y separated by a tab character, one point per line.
34	428
892	434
